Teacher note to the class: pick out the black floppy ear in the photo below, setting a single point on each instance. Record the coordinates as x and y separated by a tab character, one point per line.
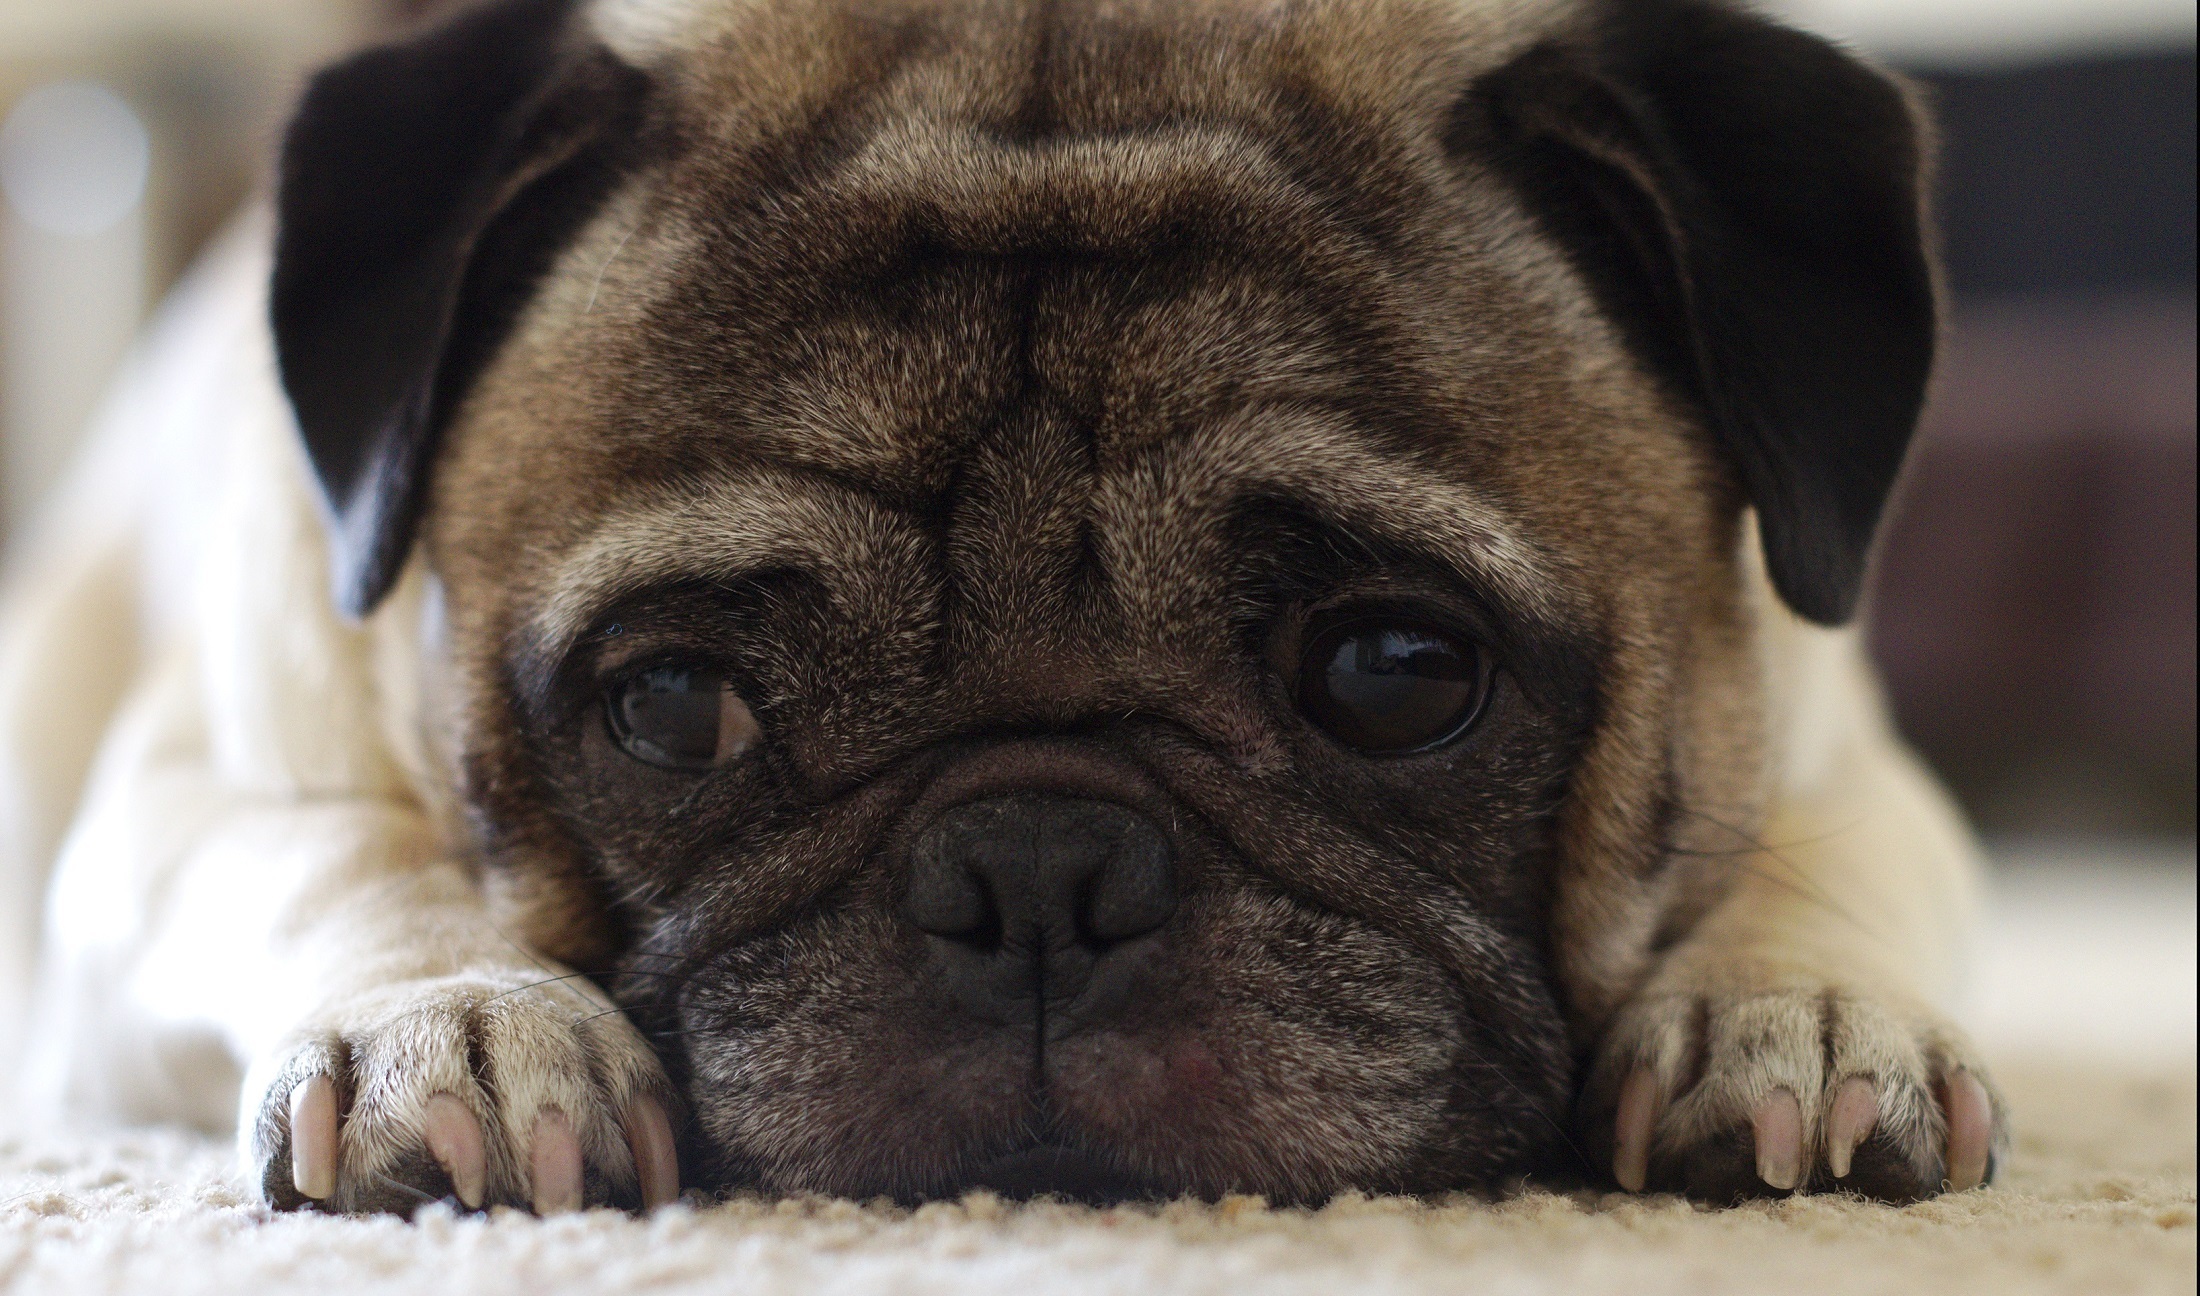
1747	202
426	185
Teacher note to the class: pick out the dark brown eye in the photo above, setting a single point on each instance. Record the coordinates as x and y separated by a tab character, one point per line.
680	718
1389	687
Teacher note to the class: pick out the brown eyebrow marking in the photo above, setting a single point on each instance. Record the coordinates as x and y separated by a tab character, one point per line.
728	527
1164	508
1319	461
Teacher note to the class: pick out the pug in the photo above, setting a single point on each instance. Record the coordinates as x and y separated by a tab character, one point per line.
1106	597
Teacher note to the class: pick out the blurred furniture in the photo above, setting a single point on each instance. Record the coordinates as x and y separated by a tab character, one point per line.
2035	608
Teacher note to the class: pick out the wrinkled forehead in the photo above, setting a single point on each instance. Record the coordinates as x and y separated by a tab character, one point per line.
1155	532
872	227
880	317
824	343
1115	346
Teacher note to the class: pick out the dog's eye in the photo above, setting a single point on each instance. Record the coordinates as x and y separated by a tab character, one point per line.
1388	687
680	718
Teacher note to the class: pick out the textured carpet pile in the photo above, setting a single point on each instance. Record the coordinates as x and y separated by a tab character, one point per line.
2098	1198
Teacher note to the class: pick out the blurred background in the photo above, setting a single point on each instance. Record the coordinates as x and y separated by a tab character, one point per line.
2035	609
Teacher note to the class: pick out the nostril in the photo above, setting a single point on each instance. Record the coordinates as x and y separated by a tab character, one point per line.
1135	890
945	899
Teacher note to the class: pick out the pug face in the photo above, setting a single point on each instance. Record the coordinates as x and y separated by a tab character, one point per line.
1066	600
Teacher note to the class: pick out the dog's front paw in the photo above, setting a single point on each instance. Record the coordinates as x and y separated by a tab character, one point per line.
1737	1095
515	1090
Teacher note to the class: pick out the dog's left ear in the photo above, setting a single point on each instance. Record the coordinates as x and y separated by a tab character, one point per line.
426	186
1747	202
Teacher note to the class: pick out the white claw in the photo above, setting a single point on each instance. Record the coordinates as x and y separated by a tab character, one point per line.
454	1136
1778	1124
656	1162
1634	1126
556	1164
1855	1112
313	1137
1970	1113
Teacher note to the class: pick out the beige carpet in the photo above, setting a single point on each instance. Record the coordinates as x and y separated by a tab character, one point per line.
2098	1199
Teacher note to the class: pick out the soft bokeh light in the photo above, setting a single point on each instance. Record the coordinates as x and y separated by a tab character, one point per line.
74	158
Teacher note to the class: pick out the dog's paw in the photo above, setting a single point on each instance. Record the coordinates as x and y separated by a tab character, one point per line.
1726	1097
512	1090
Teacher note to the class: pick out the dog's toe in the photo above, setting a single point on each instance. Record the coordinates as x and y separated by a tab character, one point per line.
1768	1094
476	1092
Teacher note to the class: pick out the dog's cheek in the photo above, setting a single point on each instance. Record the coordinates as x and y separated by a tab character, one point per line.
1278	1050
821	1063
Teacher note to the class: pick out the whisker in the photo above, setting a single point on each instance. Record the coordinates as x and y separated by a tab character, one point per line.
406	1188
584	976
523	951
1800	883
605	268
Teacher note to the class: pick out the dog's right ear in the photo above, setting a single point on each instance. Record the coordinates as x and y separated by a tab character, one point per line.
426	186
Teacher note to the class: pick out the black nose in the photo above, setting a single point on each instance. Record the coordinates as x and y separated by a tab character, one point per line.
1031	899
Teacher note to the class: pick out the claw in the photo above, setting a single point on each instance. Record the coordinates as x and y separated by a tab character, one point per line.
455	1139
656	1163
556	1163
313	1137
1778	1122
1855	1111
1970	1113
1634	1126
